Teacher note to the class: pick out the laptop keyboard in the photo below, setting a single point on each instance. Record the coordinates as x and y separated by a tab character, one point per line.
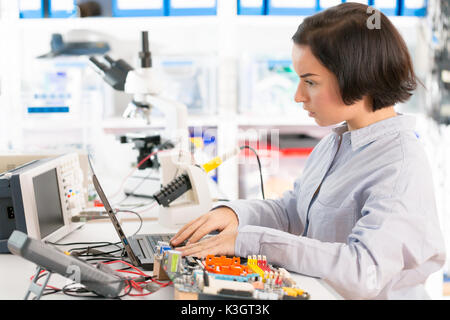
154	238
144	247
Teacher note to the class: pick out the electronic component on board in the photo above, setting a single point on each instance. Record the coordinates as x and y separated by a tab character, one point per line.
219	286
221	277
224	265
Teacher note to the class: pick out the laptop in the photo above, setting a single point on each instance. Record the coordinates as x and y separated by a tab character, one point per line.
141	249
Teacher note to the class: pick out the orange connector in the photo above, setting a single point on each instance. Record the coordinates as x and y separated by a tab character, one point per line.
224	265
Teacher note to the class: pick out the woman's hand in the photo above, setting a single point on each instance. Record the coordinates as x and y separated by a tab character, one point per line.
222	219
218	245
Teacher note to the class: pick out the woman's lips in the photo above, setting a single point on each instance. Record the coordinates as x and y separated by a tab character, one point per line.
310	113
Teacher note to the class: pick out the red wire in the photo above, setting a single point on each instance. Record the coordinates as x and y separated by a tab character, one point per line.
134	284
126	271
146	294
51	287
129	265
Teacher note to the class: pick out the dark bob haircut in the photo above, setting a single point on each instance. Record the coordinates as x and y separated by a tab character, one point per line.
371	62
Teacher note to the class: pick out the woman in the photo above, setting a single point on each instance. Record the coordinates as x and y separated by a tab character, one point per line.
362	216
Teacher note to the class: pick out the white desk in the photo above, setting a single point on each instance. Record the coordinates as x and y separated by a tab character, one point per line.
15	272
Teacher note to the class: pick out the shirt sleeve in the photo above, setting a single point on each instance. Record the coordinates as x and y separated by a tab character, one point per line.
397	236
382	244
278	214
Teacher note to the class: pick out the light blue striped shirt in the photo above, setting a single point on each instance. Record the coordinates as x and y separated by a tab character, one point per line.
371	231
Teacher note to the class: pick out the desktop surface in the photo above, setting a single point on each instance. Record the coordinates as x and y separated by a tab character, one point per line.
16	272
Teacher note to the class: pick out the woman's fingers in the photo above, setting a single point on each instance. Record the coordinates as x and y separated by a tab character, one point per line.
222	244
202	231
217	219
187	230
199	249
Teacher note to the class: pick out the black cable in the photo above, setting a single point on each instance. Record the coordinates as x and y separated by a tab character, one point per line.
93	247
46	291
85	250
100	244
130	287
74	292
93	293
259	166
67	291
106	243
104	259
99	254
137	214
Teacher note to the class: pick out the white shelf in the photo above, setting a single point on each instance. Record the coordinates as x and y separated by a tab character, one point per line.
281	120
107	23
211	121
156	122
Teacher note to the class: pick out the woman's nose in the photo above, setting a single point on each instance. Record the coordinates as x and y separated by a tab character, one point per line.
300	96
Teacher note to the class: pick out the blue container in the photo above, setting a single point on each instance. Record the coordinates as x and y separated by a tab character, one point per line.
252	7
416	8
389	8
133	8
191	8
285	7
62	8
50	109
325	4
31	9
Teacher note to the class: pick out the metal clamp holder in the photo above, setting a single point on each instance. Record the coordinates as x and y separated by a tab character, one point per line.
36	288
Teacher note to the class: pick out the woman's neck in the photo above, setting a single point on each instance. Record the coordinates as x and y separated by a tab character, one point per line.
367	118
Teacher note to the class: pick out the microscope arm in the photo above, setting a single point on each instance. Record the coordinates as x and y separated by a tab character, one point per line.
175	113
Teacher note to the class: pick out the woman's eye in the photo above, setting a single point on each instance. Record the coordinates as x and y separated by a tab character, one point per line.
310	83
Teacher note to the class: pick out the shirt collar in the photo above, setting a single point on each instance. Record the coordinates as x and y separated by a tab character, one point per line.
366	135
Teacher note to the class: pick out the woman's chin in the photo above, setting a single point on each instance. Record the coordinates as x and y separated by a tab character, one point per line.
323	123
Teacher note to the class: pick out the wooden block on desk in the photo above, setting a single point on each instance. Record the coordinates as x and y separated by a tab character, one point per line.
158	270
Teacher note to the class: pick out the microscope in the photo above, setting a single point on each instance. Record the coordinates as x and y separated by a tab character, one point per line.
143	85
184	192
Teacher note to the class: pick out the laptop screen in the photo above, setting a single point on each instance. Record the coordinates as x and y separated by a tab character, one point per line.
113	218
